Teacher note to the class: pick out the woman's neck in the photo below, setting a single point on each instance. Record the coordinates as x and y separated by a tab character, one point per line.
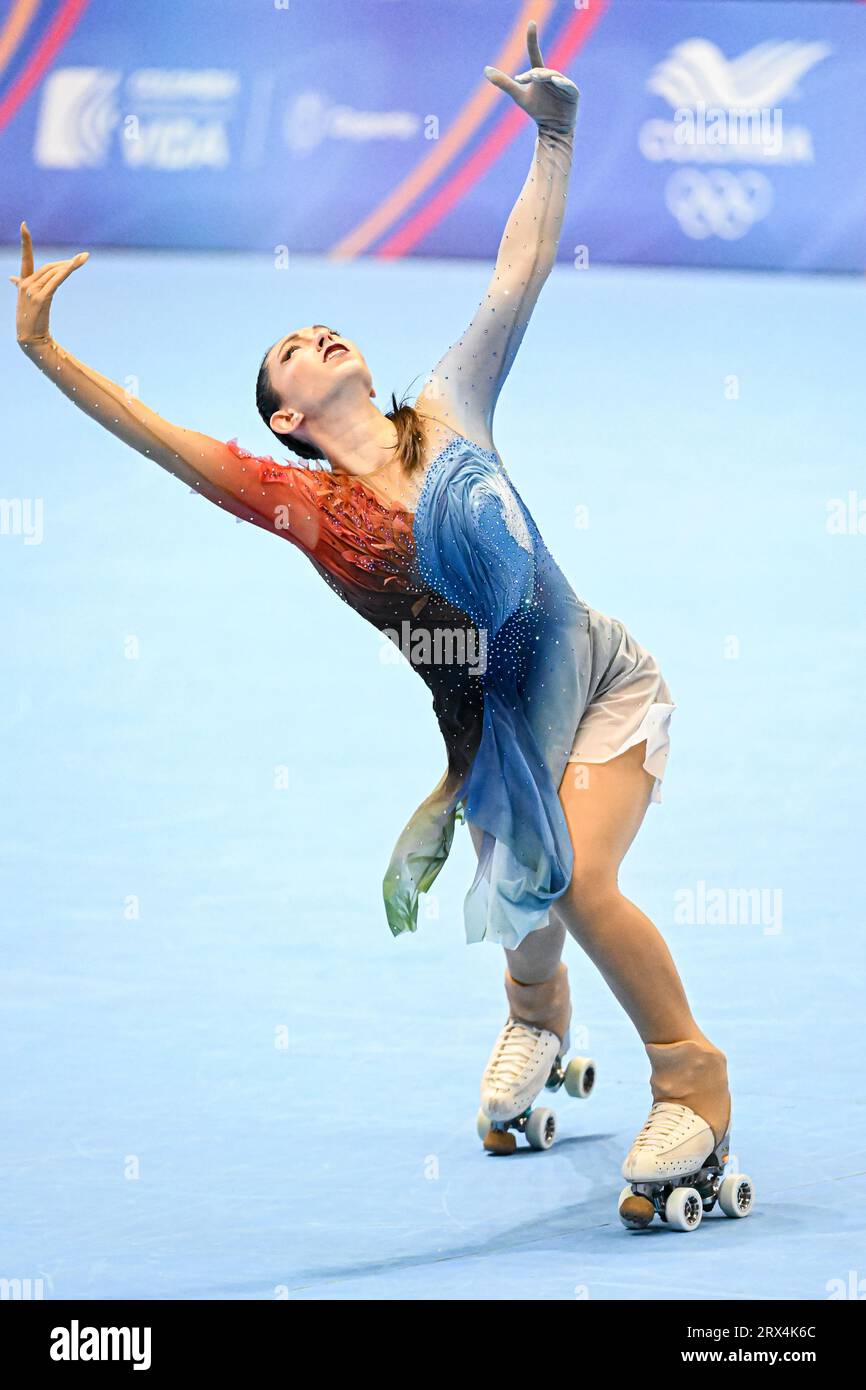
361	443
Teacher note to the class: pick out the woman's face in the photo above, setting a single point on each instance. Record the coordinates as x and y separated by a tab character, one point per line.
312	367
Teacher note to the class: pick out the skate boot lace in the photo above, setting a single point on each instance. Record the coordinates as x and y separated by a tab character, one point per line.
514	1051
665	1119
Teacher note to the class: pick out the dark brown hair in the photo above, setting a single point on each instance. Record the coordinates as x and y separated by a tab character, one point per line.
410	435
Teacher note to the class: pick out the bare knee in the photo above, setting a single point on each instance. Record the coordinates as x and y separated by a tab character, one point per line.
538	955
591	893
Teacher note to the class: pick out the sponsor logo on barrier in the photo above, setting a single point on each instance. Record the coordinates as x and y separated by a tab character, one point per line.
727	111
310	119
161	118
718	203
77	118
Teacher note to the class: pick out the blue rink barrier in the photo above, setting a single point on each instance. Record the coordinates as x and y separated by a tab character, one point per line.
710	133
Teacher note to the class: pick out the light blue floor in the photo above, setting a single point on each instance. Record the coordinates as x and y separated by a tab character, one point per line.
345	1164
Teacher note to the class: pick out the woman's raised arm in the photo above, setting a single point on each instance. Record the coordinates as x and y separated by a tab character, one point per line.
229	477
463	388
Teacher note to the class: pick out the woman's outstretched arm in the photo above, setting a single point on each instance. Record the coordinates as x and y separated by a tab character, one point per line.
464	386
227	477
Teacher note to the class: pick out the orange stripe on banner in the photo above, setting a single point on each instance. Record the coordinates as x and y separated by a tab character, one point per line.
575	34
64	22
469	118
15	28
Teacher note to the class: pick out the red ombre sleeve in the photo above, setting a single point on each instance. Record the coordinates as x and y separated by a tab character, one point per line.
281	497
364	547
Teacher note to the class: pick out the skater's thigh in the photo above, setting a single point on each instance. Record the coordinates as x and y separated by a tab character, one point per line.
604	806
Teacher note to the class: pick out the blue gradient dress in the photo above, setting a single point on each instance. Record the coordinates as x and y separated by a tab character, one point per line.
478	546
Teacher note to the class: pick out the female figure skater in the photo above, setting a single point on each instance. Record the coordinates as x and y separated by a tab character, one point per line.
415	521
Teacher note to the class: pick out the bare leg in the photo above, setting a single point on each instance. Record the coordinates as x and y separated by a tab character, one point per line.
538	955
536	1030
536	987
604	805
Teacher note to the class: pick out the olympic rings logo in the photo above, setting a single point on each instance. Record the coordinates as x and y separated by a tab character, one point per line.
718	203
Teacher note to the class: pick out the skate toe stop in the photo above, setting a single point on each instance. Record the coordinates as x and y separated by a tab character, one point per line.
500	1141
636	1211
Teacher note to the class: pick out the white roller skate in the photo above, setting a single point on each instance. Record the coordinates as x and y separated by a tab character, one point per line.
675	1169
526	1060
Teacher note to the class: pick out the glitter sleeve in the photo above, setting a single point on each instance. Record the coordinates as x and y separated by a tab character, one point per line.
463	388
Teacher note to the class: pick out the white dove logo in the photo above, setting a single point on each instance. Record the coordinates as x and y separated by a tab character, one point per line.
727	111
697	71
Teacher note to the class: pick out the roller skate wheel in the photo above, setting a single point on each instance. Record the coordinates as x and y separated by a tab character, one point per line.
736	1195
541	1129
684	1209
635	1211
482	1124
580	1077
499	1141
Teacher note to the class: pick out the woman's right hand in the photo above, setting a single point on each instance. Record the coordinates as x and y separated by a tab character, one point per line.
36	290
545	94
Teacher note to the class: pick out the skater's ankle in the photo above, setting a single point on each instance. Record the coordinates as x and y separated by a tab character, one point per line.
546	1004
693	1072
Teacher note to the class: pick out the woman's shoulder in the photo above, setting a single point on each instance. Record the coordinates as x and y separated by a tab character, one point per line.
445	434
311	475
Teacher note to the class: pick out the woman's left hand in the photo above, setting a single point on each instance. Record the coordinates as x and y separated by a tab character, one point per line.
546	95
